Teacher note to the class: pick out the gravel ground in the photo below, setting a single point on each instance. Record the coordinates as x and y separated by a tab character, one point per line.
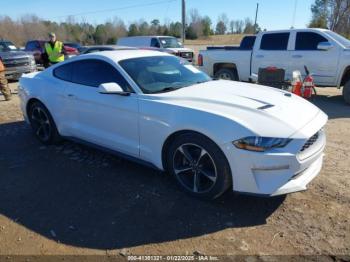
70	199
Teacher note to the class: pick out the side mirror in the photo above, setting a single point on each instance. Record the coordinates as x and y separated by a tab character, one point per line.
112	89
324	46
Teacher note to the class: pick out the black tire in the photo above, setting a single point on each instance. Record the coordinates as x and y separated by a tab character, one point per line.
226	74
202	179
43	125
346	92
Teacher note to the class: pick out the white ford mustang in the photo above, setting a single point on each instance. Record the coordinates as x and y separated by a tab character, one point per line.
154	108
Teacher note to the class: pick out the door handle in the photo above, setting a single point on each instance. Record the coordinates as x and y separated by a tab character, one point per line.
297	56
259	56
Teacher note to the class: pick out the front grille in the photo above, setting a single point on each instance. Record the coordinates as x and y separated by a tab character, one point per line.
16	62
310	142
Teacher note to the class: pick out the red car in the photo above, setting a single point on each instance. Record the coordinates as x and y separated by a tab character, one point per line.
37	47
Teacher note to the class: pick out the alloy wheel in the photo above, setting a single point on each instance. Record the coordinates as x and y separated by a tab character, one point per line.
195	168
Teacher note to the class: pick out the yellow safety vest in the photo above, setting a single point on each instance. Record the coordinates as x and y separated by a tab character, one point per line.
54	53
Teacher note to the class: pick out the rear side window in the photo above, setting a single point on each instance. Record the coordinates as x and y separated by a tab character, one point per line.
308	41
94	72
277	41
64	72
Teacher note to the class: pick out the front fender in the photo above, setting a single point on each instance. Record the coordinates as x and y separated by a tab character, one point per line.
158	121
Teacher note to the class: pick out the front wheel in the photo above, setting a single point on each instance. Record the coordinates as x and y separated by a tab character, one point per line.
199	166
346	92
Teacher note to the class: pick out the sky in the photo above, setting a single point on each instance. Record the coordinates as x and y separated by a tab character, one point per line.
273	14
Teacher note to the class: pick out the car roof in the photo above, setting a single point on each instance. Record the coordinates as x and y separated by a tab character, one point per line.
150	36
296	30
115	47
118	55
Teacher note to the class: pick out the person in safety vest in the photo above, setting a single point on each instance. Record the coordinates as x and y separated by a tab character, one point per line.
4	88
54	50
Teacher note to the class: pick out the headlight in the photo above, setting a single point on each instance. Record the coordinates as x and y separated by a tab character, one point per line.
260	144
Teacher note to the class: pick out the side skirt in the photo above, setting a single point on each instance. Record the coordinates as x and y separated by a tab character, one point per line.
113	152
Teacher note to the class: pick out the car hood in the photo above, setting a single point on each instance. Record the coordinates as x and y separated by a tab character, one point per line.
13	54
263	110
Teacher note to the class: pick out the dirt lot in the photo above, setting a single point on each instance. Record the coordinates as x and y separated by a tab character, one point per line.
70	199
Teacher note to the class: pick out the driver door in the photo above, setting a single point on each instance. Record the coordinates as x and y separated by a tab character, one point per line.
110	121
323	64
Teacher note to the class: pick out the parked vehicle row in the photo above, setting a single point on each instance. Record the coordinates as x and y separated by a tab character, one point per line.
37	48
324	52
165	44
18	62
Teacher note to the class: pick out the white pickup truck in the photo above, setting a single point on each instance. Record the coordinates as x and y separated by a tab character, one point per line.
325	53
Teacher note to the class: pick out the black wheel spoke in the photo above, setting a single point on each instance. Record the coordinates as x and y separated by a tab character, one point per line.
205	173
196	183
36	116
202	154
185	152
182	170
39	130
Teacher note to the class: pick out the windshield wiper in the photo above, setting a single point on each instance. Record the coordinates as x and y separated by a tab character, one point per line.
166	89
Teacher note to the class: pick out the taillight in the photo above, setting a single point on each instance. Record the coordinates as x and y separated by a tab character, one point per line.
200	60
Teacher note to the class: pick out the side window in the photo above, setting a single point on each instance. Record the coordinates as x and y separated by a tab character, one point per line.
277	41
155	43
64	72
94	72
308	41
30	46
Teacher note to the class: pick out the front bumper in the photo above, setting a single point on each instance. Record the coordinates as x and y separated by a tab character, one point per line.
275	173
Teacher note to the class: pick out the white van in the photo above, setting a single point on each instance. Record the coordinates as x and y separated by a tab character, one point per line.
164	43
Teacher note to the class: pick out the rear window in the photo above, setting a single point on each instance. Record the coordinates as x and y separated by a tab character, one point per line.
274	42
308	41
64	72
247	43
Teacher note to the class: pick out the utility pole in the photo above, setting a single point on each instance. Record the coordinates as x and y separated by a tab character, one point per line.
183	34
256	18
294	13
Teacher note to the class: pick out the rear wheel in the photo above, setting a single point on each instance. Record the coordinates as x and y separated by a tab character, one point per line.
346	92
199	166
226	74
42	124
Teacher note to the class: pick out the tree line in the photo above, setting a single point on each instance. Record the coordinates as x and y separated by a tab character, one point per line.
30	27
331	14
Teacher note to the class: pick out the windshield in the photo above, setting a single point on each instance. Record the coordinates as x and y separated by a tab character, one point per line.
170	42
159	74
342	40
7	46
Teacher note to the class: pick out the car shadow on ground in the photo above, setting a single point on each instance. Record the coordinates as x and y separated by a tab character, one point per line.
334	106
86	198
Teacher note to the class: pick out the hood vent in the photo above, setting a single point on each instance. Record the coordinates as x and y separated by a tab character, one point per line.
265	107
